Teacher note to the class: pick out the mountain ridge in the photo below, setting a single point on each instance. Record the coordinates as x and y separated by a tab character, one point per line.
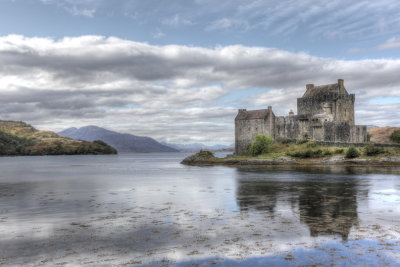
122	142
194	147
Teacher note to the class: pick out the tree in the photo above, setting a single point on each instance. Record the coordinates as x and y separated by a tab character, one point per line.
352	152
261	145
372	150
395	137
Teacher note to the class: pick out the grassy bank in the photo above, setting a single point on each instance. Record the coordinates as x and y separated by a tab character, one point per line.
311	149
303	153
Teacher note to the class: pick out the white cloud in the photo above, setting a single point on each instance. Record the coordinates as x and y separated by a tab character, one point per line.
176	20
82	12
392	43
225	23
360	20
158	34
172	92
86	8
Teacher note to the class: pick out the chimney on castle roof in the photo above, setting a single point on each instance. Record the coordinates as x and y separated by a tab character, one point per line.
269	108
309	86
341	86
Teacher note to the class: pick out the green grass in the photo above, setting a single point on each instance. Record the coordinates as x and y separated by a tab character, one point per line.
311	149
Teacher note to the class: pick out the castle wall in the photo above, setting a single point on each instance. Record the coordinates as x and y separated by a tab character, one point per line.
292	127
325	113
336	132
246	131
345	108
306	106
358	134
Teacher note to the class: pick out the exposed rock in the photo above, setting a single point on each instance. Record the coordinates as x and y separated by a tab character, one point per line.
390	159
202	157
357	161
335	159
285	160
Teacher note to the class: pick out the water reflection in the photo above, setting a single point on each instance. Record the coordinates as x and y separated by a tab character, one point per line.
326	198
149	209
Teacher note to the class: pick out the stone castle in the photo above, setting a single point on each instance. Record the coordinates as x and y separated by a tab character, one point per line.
325	113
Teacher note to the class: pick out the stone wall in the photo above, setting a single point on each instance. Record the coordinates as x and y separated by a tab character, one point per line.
358	133
345	108
246	131
325	113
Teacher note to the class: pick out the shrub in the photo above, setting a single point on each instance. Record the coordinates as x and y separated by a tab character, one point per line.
261	145
338	151
284	141
352	152
308	153
301	141
326	152
372	150
395	137
100	142
205	154
312	143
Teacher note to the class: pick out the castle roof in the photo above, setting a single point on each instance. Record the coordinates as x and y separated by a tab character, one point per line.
322	90
252	114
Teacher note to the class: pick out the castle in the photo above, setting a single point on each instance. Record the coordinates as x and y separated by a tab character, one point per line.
325	113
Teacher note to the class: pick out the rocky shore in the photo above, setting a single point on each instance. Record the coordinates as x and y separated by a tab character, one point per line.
204	158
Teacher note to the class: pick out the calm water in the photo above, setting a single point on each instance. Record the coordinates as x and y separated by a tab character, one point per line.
147	209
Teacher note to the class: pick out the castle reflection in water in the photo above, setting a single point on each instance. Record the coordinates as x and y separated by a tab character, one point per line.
327	205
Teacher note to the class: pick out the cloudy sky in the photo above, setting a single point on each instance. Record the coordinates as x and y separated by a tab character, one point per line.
178	70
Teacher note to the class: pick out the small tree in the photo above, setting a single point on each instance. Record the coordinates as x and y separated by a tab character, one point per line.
372	150
352	152
395	137
261	145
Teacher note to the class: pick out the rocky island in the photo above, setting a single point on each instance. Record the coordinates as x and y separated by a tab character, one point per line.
323	132
309	153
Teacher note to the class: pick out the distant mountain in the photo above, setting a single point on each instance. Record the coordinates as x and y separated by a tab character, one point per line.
382	134
121	142
194	147
369	127
18	138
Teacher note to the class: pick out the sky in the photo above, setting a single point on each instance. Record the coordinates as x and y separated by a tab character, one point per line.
178	70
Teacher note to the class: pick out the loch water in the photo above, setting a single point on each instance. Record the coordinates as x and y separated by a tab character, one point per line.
150	210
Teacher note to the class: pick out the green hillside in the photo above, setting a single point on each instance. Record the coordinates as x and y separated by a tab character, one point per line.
20	138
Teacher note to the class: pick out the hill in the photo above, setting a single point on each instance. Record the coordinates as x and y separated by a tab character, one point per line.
19	138
381	134
121	142
195	147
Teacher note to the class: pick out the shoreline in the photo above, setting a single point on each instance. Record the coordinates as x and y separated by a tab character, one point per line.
199	160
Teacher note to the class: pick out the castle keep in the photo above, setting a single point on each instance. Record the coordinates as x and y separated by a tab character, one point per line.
325	113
